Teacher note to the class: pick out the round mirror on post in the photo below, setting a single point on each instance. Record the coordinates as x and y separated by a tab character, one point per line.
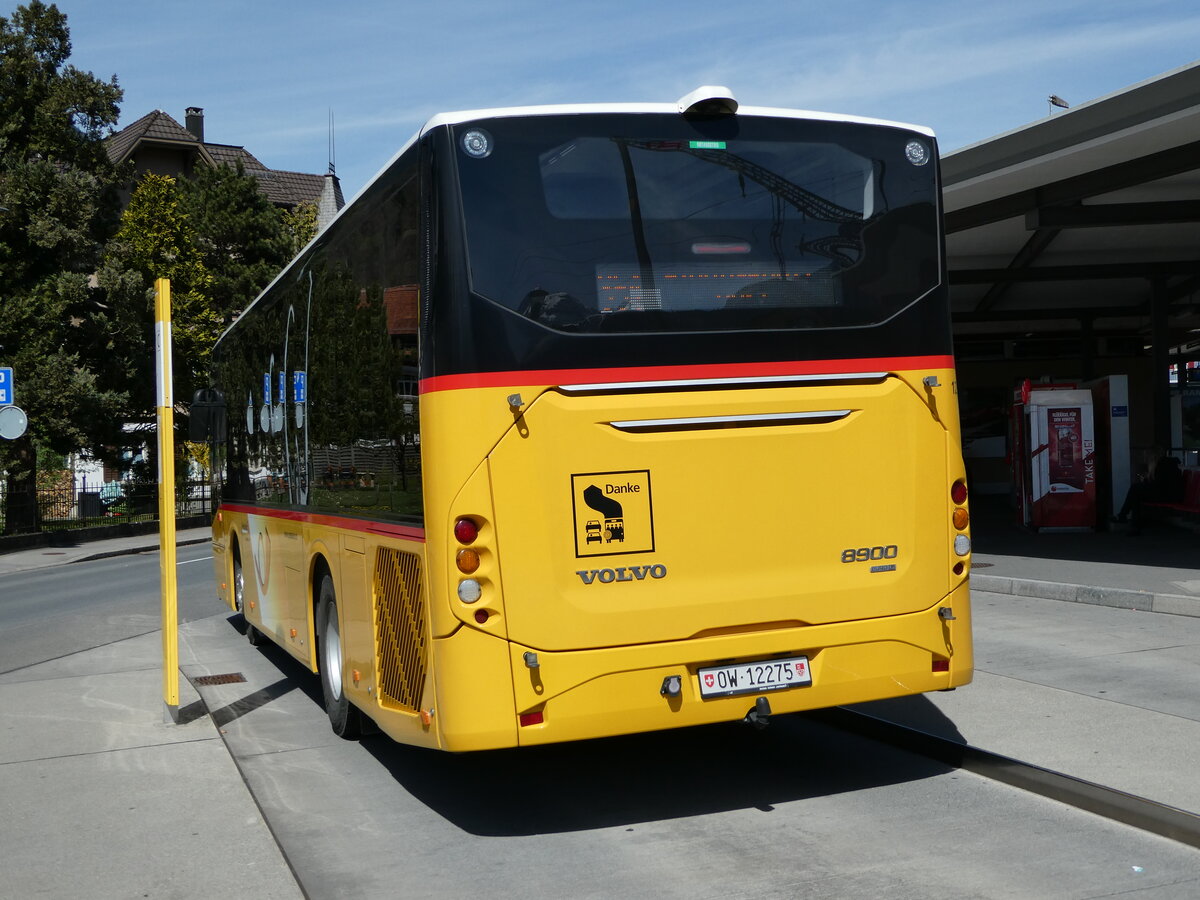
13	422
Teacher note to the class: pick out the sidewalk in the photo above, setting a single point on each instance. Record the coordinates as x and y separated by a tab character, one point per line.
44	557
104	799
1157	570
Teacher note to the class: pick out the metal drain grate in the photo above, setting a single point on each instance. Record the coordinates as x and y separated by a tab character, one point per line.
232	678
981	565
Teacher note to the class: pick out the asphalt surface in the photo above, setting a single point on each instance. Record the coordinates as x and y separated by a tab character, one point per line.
1105	687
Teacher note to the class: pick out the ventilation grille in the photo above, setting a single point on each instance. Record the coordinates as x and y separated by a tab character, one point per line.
399	629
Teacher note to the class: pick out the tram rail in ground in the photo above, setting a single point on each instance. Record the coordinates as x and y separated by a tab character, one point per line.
1110	803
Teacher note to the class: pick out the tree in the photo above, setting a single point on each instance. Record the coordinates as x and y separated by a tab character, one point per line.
240	235
56	184
219	241
156	239
300	224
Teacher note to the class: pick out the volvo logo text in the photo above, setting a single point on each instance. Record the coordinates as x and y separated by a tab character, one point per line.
625	573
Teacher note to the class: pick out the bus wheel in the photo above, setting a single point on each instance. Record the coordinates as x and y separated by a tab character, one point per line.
343	716
239	584
253	635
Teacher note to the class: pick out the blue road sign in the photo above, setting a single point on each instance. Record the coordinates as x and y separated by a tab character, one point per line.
266	388
299	387
7	388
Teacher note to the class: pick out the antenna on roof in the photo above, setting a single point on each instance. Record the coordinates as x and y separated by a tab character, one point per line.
332	146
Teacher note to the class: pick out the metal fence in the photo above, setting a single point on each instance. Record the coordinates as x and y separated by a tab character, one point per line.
86	505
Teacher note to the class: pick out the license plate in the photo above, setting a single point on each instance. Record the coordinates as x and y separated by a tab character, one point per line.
754	677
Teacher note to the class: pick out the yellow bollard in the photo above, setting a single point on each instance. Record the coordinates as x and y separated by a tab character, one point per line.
166	500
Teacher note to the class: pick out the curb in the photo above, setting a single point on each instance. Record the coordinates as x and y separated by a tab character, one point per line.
14	543
1173	604
142	548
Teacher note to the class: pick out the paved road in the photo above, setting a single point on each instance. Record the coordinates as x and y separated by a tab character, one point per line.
799	810
50	613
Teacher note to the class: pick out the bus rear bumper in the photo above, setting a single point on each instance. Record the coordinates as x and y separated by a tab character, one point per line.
598	693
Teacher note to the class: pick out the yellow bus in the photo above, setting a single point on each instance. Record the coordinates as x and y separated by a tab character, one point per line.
590	420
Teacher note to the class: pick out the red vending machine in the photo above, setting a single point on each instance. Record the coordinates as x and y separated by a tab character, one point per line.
1058	460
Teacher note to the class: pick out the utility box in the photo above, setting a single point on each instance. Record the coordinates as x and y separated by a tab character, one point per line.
1057	458
89	505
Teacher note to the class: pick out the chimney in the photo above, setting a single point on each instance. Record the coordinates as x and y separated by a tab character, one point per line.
195	122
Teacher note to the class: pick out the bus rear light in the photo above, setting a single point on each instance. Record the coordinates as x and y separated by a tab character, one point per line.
469	590
466	530
532	718
958	492
959	568
961	519
962	544
941	665
467	561
481	616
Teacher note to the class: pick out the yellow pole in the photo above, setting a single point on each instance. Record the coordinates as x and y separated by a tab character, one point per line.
166	500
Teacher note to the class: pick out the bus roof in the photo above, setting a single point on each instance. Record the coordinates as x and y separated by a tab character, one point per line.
565	109
454	118
673	109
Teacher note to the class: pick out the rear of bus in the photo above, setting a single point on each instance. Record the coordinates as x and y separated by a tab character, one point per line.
689	422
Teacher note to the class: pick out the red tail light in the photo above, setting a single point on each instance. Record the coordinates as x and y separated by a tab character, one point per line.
533	718
465	530
958	492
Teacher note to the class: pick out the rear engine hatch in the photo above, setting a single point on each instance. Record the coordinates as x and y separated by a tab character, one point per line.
660	515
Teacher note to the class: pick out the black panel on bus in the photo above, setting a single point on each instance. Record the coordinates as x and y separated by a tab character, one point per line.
521	326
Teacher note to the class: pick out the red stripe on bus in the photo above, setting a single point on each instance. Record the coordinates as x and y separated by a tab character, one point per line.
408	532
682	373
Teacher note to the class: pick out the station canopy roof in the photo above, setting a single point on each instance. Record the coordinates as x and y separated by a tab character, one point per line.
1079	225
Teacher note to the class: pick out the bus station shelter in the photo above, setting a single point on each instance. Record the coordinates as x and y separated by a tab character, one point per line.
1073	248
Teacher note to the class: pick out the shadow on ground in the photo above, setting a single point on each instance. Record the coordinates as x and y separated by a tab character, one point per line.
994	531
624	781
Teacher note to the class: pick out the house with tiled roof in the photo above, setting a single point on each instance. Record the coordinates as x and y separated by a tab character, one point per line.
158	143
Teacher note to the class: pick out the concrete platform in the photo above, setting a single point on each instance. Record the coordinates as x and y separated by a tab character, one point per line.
1104	694
102	798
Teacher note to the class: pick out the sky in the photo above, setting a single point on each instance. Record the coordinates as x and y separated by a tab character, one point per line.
269	73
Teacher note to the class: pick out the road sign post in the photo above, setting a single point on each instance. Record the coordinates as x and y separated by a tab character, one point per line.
12	418
166	500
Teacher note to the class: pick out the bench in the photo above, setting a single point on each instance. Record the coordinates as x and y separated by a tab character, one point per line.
1190	504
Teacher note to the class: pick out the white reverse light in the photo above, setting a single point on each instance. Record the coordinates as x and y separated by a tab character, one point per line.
469	590
962	544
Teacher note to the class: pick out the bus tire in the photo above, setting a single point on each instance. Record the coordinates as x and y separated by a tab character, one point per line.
344	717
239	583
253	635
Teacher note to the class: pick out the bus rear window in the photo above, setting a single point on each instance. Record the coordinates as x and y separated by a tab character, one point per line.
648	223
598	178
